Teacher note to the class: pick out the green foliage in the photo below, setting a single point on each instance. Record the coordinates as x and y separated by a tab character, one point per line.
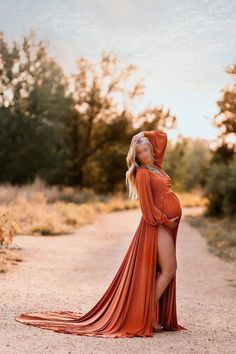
225	119
221	188
187	161
214	188
33	111
229	206
101	124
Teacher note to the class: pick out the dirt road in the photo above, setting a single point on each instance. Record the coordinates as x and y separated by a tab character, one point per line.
71	273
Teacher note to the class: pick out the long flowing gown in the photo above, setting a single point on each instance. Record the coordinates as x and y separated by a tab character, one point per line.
127	307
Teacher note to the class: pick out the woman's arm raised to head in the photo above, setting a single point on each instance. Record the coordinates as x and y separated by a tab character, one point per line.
158	139
151	214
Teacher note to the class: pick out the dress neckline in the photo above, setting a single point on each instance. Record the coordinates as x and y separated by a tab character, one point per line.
153	168
157	174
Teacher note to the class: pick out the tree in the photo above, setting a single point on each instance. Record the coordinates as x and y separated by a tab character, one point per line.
220	186
33	111
225	118
102	123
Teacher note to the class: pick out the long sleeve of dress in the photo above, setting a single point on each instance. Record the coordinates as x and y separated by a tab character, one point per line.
158	139
151	213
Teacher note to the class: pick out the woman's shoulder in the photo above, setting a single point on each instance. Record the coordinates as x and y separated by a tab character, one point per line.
142	173
142	170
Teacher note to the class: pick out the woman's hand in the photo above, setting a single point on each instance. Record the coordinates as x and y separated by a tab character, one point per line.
174	222
136	137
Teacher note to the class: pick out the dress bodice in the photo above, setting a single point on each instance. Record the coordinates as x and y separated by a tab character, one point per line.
160	184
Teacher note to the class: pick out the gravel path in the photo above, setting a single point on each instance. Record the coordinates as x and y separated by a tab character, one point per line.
71	273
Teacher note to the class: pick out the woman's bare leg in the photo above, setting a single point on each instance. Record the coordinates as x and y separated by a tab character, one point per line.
166	258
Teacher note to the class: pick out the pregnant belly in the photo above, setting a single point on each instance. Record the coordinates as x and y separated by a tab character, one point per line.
171	205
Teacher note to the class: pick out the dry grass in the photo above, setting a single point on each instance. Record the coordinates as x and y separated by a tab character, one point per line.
220	234
37	209
42	210
192	199
9	258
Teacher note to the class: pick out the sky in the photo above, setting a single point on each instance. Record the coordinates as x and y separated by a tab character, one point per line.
181	48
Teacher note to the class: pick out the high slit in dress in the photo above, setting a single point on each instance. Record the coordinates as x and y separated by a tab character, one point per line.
127	307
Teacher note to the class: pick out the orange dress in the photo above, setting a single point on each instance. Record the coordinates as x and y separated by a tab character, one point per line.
126	308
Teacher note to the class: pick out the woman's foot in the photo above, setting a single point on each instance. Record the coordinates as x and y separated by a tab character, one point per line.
157	327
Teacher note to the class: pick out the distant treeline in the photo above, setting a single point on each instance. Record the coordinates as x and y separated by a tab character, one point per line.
75	130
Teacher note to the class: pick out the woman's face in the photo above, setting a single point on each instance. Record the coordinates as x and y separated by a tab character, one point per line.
143	154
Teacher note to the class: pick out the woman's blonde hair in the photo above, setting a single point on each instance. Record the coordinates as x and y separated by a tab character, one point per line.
133	165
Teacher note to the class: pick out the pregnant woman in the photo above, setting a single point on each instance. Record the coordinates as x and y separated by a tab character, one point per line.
141	299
